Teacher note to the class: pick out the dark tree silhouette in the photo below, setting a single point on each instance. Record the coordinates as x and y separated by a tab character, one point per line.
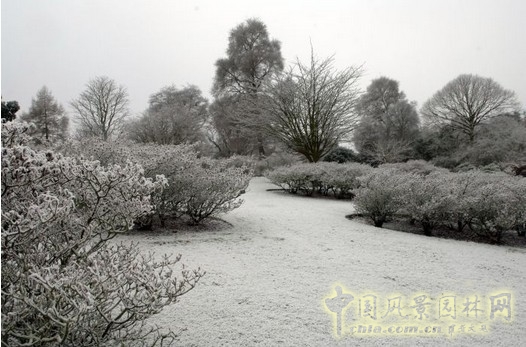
9	110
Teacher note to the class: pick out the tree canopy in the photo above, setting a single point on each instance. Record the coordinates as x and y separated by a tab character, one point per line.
253	58
313	107
48	116
174	116
9	110
389	124
467	101
101	108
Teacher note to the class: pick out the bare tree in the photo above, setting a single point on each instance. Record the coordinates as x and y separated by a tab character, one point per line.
101	108
467	101
48	116
313	107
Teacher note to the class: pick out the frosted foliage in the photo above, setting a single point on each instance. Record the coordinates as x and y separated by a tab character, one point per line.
197	187
484	204
381	193
309	178
61	281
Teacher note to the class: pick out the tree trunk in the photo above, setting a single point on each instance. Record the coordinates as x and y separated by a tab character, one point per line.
378	221
261	148
427	226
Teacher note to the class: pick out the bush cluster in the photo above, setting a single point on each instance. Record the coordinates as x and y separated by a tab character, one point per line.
380	194
343	155
197	187
485	203
63	283
275	160
323	178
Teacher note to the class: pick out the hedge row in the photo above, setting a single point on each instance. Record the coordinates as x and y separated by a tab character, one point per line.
340	180
484	203
488	204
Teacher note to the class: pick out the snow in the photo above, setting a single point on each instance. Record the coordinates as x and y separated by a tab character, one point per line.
270	264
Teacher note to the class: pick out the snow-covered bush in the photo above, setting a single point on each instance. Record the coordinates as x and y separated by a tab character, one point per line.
198	187
246	162
321	177
493	203
210	187
304	178
381	194
170	161
293	179
274	161
488	203
420	167
62	281
94	148
428	199
343	180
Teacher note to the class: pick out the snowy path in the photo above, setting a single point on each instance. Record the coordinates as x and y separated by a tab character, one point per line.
268	273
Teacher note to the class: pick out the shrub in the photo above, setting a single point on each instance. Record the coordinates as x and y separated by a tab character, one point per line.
343	179
445	162
170	161
494	203
428	199
489	203
461	187
274	161
209	187
292	178
321	177
342	155
198	187
62	282
94	148
381	194
420	167
245	162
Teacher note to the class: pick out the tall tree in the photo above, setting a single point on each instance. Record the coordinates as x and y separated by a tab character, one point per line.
313	107
252	59
467	101
174	116
101	108
228	134
389	124
48	116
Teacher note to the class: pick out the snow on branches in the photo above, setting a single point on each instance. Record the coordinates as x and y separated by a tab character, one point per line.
62	282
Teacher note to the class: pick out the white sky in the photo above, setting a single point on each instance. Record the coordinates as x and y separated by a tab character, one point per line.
146	45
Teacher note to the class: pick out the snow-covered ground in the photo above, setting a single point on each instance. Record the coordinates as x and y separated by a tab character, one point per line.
274	261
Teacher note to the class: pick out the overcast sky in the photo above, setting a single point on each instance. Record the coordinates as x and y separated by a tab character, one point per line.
146	45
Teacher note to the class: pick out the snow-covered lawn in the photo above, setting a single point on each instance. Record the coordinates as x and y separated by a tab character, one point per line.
270	266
